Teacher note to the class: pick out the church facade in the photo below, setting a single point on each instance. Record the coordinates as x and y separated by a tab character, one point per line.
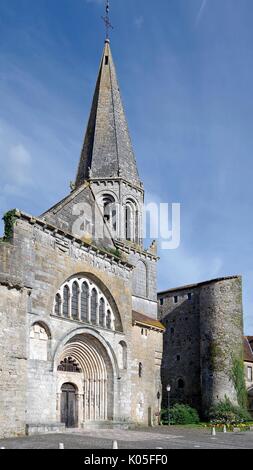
80	341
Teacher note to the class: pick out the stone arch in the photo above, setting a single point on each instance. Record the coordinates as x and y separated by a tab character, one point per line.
88	331
132	220
140	279
98	370
39	337
63	297
108	203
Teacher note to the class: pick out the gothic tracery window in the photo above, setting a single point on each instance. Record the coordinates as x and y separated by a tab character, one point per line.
69	365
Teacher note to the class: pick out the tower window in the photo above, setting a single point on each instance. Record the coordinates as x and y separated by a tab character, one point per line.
190	296
140	369
178	357
175	299
161	301
110	211
106	60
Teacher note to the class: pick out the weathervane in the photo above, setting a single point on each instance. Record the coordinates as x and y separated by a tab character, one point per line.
106	19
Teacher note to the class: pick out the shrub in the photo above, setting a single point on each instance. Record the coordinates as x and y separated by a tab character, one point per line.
180	414
225	412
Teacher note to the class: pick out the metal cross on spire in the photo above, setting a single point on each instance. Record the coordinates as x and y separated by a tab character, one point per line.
106	19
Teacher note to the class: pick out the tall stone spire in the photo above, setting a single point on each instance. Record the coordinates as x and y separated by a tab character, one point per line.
107	151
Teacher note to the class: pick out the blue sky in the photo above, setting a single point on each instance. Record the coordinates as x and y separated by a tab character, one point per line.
186	71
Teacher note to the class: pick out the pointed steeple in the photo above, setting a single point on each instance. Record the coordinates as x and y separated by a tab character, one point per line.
107	151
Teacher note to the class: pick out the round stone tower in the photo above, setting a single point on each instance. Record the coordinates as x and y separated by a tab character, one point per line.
221	332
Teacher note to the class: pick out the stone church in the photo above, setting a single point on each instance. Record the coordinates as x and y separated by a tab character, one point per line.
80	342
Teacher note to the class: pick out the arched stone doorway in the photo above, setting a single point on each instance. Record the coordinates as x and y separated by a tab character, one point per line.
69	409
92	375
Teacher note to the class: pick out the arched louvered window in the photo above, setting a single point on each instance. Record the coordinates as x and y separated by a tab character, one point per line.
101	312
65	309
84	302
108	319
74	306
93	306
57	308
110	212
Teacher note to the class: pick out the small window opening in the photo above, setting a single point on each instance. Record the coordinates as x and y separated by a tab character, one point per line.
161	301
175	299
140	369
178	357
190	296
181	383
106	60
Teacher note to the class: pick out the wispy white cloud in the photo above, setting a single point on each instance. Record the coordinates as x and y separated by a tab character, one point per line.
200	12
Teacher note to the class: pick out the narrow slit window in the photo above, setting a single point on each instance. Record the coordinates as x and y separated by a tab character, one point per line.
106	60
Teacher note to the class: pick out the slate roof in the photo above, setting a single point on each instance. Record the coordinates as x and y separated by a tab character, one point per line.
140	319
107	151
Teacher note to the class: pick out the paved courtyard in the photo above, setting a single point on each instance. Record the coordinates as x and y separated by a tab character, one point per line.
173	438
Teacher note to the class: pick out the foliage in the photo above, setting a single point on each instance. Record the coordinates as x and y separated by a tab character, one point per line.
238	379
225	412
180	414
9	220
115	252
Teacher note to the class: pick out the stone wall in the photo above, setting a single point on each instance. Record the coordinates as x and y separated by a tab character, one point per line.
44	258
203	341
147	351
221	339
181	356
13	363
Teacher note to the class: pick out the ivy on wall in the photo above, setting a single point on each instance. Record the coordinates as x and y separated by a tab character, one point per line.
237	377
9	219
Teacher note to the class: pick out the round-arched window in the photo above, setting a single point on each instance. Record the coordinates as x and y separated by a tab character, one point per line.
109	208
80	299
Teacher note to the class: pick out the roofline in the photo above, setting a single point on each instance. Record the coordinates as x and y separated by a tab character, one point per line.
148	325
199	284
55	230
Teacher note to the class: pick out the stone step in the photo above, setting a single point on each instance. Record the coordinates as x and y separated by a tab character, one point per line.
107	425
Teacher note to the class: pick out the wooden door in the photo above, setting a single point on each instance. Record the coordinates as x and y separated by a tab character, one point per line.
68	406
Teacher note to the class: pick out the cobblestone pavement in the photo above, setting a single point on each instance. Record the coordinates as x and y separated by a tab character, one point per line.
173	438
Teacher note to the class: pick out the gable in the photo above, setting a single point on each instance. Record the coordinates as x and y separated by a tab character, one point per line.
80	215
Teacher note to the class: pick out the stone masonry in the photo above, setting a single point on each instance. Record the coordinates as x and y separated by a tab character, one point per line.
79	336
203	339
